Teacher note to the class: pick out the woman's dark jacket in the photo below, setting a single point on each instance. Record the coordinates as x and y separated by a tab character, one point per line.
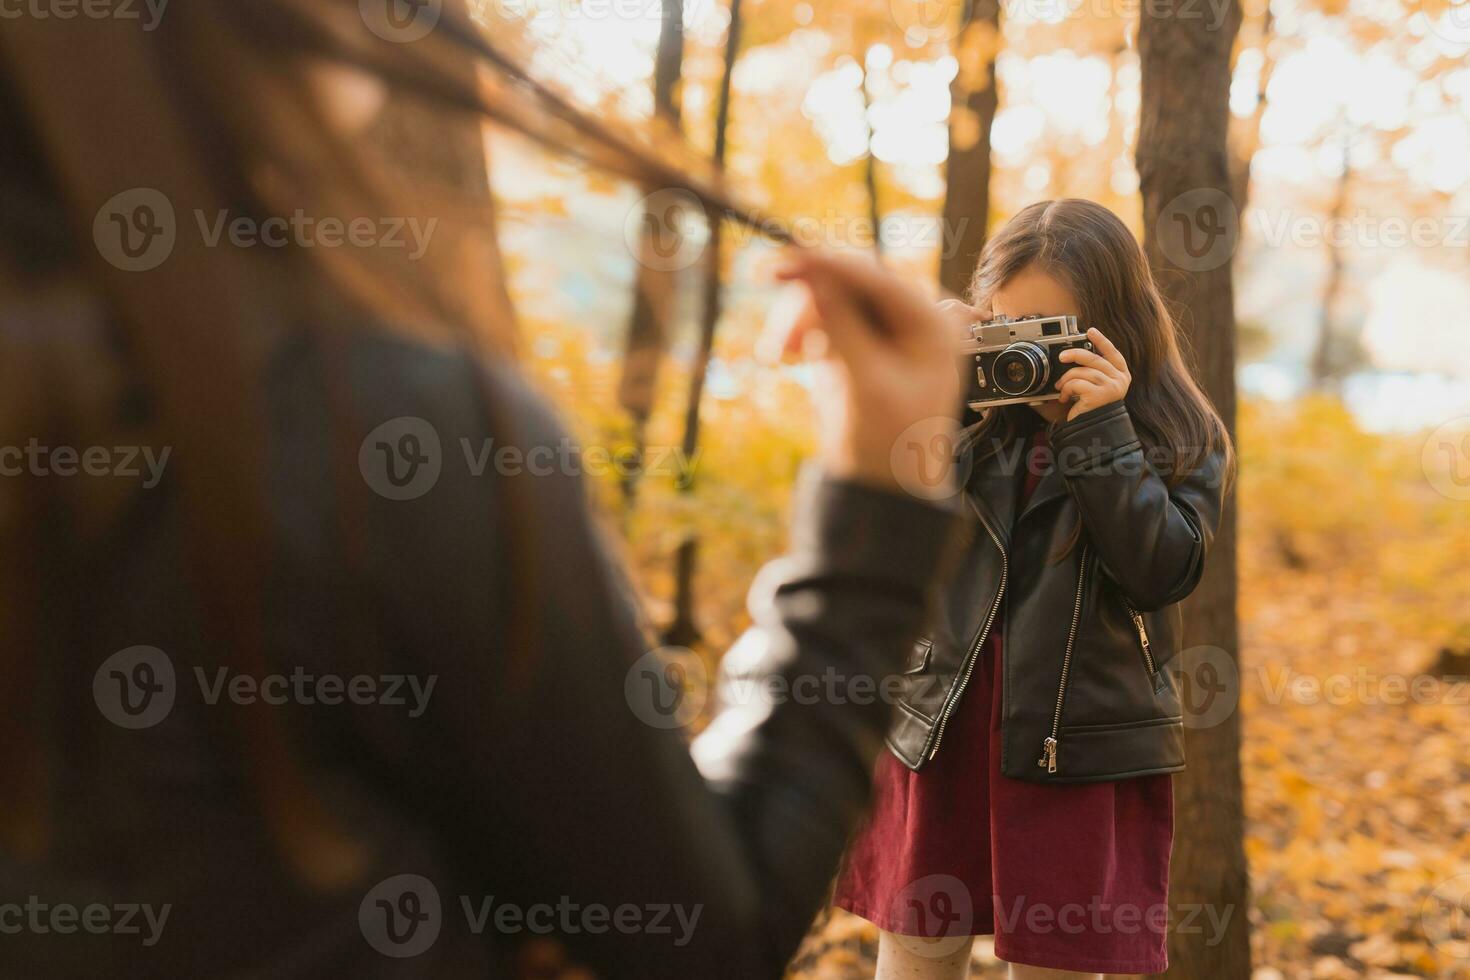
1088	637
541	791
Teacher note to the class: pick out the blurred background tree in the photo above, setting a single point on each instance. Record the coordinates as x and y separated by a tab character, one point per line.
974	100
1183	156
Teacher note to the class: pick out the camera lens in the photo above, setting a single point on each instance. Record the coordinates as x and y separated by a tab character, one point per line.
1021	369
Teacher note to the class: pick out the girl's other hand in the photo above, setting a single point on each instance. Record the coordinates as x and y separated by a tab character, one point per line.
965	313
1100	377
888	391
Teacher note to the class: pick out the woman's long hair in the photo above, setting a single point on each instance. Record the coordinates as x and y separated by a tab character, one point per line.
1087	248
228	107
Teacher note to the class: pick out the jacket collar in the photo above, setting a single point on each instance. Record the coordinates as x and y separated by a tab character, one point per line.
997	481
1051	486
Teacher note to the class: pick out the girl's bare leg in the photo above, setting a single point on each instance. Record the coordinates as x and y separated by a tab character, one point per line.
913	958
1019	972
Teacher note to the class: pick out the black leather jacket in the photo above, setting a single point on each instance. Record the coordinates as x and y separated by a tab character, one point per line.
1087	636
555	794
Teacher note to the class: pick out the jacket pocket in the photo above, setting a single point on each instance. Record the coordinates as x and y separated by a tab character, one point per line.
1156	677
919	656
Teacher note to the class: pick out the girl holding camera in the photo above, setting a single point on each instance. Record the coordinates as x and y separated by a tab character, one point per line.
1027	791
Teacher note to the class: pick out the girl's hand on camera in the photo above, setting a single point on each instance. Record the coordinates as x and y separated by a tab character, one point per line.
1100	377
888	392
966	313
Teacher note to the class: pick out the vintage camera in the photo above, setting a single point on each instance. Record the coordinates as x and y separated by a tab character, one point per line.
1014	361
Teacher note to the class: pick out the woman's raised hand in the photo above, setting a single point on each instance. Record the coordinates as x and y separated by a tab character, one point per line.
890	387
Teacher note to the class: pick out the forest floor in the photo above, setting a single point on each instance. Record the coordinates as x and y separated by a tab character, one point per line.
1357	808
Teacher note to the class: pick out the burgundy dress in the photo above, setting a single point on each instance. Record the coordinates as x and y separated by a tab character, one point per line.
1066	876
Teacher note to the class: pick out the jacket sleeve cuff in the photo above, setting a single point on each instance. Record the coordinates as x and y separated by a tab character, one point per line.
1088	443
869	531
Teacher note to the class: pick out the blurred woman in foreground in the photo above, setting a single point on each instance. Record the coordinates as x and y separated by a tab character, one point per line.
207	761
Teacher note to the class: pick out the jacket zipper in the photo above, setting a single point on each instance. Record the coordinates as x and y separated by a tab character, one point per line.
1148	655
959	688
1048	760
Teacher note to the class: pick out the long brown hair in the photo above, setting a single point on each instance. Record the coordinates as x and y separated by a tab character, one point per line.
1091	251
216	109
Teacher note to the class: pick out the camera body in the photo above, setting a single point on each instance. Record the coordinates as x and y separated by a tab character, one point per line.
1016	361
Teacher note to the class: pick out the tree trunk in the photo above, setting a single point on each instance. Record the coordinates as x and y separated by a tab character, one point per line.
870	165
1326	364
1185	177
684	631
653	289
967	172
